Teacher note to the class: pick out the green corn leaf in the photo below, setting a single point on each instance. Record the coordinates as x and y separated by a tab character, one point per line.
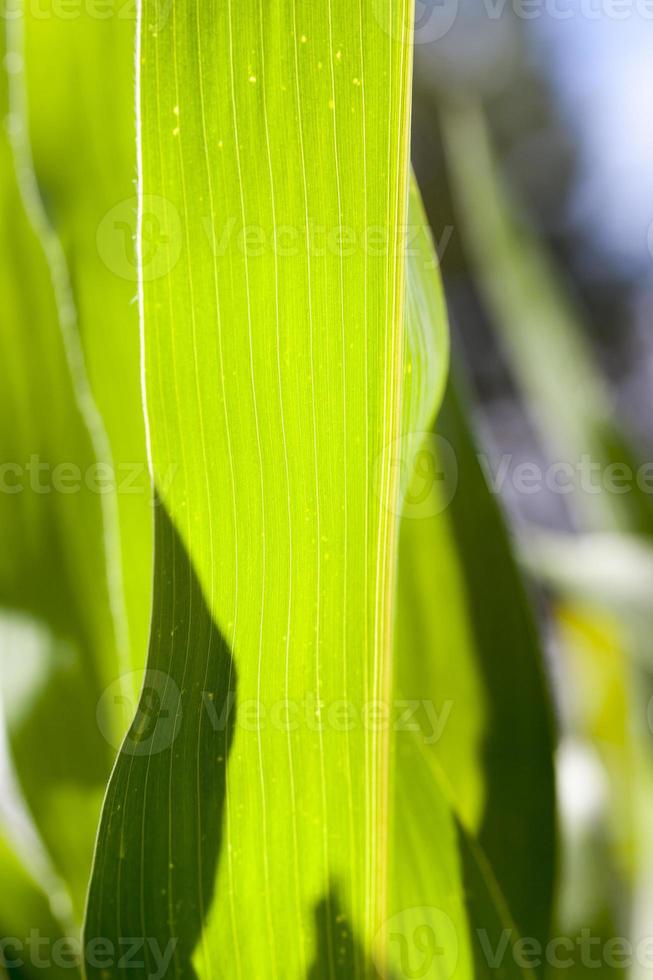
472	676
471	657
274	371
31	937
428	931
498	949
602	573
56	602
467	929
79	85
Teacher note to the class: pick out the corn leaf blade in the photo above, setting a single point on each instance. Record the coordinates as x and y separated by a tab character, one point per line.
274	561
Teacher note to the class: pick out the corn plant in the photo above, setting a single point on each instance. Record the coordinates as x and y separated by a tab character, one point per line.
272	688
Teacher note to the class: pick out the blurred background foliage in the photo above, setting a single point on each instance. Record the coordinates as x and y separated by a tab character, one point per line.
533	151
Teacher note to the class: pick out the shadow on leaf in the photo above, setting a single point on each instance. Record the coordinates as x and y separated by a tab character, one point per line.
154	877
339	955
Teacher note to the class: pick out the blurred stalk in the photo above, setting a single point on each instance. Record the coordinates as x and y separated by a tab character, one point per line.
538	327
600	578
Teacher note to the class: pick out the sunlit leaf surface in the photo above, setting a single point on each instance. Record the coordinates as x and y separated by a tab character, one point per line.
276	138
